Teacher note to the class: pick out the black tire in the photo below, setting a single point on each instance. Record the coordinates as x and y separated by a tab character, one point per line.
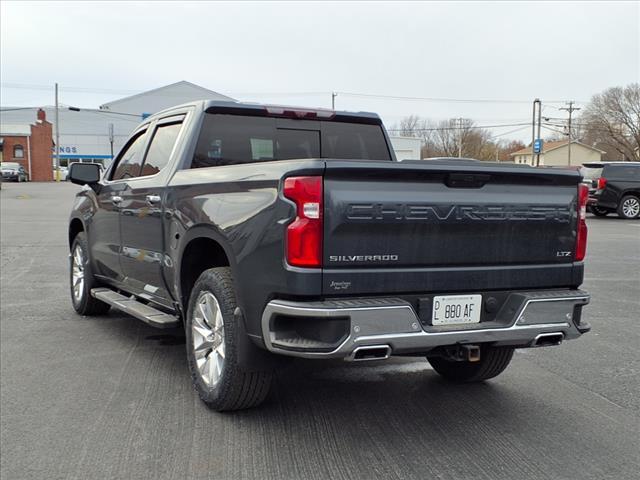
493	361
84	304
624	212
235	388
599	211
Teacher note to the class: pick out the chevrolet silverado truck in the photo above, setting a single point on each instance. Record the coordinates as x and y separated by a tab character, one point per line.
271	232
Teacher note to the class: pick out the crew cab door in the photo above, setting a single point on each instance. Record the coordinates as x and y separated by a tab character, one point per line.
104	229
141	215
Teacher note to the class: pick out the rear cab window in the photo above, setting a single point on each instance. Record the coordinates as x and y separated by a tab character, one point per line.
234	139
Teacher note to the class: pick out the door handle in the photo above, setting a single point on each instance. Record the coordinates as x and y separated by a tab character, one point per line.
151	199
116	199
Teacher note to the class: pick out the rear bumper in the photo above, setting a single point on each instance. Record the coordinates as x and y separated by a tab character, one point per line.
391	322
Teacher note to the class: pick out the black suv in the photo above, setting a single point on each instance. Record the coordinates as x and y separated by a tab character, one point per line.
616	188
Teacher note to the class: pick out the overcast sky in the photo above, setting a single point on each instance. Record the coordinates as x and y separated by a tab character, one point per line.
277	52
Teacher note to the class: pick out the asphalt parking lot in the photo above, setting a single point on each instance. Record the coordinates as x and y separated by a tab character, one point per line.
110	397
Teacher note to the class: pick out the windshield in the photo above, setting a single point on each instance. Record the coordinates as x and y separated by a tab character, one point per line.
591	173
9	166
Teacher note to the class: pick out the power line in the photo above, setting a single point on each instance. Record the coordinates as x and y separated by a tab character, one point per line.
435	99
293	93
26	86
569	109
435	129
526	127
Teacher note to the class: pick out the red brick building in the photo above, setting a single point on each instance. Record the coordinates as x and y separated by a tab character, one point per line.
30	145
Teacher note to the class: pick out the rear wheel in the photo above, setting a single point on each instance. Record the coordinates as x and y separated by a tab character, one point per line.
212	346
599	211
493	361
82	280
629	207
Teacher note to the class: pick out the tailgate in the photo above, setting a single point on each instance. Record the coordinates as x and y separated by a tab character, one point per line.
433	217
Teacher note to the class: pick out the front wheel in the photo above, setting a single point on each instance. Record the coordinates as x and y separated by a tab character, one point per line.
82	281
629	207
212	339
493	361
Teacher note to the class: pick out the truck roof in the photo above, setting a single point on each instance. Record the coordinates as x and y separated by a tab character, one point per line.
268	110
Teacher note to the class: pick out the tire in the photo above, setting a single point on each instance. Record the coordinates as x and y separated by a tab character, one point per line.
493	361
81	280
212	346
629	207
599	211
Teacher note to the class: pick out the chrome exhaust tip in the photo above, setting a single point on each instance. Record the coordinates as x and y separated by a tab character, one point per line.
370	352
548	339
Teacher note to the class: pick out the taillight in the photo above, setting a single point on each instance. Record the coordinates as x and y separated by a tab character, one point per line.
581	237
602	182
304	235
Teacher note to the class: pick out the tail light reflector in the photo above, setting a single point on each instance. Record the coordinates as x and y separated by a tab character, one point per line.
581	237
602	182
304	234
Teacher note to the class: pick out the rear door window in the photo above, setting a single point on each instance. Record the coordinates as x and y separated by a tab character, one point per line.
162	143
130	159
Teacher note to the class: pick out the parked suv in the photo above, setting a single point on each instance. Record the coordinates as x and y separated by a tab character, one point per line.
615	188
272	232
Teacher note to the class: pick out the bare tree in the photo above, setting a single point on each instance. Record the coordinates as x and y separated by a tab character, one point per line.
611	121
442	139
507	148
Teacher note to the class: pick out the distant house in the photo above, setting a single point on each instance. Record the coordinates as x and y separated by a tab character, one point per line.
557	154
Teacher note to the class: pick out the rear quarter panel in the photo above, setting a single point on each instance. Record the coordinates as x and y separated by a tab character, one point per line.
240	206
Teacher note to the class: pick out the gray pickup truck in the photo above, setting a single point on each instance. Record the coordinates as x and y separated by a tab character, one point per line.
273	232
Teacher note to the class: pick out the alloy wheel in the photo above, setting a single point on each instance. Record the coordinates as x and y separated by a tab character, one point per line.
207	330
77	273
631	207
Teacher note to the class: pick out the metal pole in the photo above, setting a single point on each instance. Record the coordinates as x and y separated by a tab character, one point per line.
333	100
533	128
537	103
460	138
539	125
569	109
57	138
111	139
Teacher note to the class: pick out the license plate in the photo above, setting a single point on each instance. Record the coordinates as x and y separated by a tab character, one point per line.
456	309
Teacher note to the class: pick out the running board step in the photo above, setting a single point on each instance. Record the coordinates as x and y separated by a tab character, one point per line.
139	310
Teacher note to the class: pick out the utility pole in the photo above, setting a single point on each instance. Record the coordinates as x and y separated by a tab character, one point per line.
111	139
333	100
57	138
459	137
570	109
